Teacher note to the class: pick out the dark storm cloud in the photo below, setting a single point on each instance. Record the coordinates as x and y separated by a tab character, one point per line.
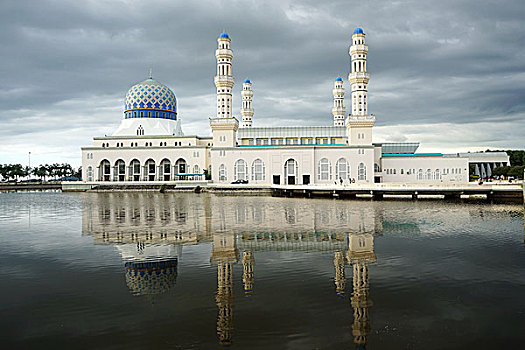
67	65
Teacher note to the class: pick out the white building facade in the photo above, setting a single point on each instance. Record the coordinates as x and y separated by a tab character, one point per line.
149	144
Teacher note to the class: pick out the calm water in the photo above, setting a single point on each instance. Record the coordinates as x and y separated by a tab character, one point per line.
186	271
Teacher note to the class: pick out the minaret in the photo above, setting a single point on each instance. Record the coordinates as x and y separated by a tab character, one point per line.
339	110
359	122
247	109
247	276
224	126
224	78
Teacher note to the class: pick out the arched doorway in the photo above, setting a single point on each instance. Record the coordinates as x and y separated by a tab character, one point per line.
165	170
105	170
149	170
134	170
290	172
180	169
119	171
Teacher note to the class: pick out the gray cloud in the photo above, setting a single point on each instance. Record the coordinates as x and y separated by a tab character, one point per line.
66	66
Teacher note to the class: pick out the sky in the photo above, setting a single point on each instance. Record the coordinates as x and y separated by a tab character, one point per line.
449	74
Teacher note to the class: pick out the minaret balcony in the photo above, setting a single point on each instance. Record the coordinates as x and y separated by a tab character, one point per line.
224	80
362	75
358	49
338	110
247	111
224	53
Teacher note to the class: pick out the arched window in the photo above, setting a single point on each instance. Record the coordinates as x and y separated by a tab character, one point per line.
140	130
222	173
90	173
377	169
290	172
361	172
429	174
196	169
135	170
240	170
420	174
258	171
437	175
342	169
324	170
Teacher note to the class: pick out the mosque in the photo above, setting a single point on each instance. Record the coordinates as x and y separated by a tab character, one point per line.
149	145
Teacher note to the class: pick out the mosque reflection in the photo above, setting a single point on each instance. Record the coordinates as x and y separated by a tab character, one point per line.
150	231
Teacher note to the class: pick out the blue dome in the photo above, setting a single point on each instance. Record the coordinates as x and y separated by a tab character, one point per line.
358	31
224	35
247	81
150	99
338	79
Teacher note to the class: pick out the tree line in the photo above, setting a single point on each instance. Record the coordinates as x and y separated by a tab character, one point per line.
42	171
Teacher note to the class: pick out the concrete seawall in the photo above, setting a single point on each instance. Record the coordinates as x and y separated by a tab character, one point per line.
500	191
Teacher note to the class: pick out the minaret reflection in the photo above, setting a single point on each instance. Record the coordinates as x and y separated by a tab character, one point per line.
360	254
247	276
225	254
340	278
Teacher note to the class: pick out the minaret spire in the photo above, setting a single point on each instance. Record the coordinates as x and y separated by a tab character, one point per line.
247	108
151	73
339	111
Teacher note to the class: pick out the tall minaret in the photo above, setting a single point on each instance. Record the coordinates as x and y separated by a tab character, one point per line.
247	109
359	123
224	126
224	77
339	110
358	76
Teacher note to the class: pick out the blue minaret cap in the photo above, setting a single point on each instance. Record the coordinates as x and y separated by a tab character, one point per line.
338	79
224	35
247	81
358	31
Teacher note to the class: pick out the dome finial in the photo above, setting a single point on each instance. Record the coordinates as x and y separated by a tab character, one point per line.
151	73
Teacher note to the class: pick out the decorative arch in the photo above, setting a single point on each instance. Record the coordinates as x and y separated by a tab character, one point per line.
258	170
105	170
150	170
165	170
180	166
290	172
134	170
324	170
222	173
342	169
240	170
119	170
361	172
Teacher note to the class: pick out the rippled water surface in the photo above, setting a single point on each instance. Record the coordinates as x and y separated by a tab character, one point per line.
187	271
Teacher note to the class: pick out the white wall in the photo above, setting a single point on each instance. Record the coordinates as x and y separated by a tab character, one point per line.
307	158
406	169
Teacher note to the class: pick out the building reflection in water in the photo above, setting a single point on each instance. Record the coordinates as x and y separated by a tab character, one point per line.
150	232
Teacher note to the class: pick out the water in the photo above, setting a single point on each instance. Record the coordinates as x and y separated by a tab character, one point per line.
187	271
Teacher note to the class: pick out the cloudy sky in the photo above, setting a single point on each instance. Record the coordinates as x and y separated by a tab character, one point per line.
448	73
